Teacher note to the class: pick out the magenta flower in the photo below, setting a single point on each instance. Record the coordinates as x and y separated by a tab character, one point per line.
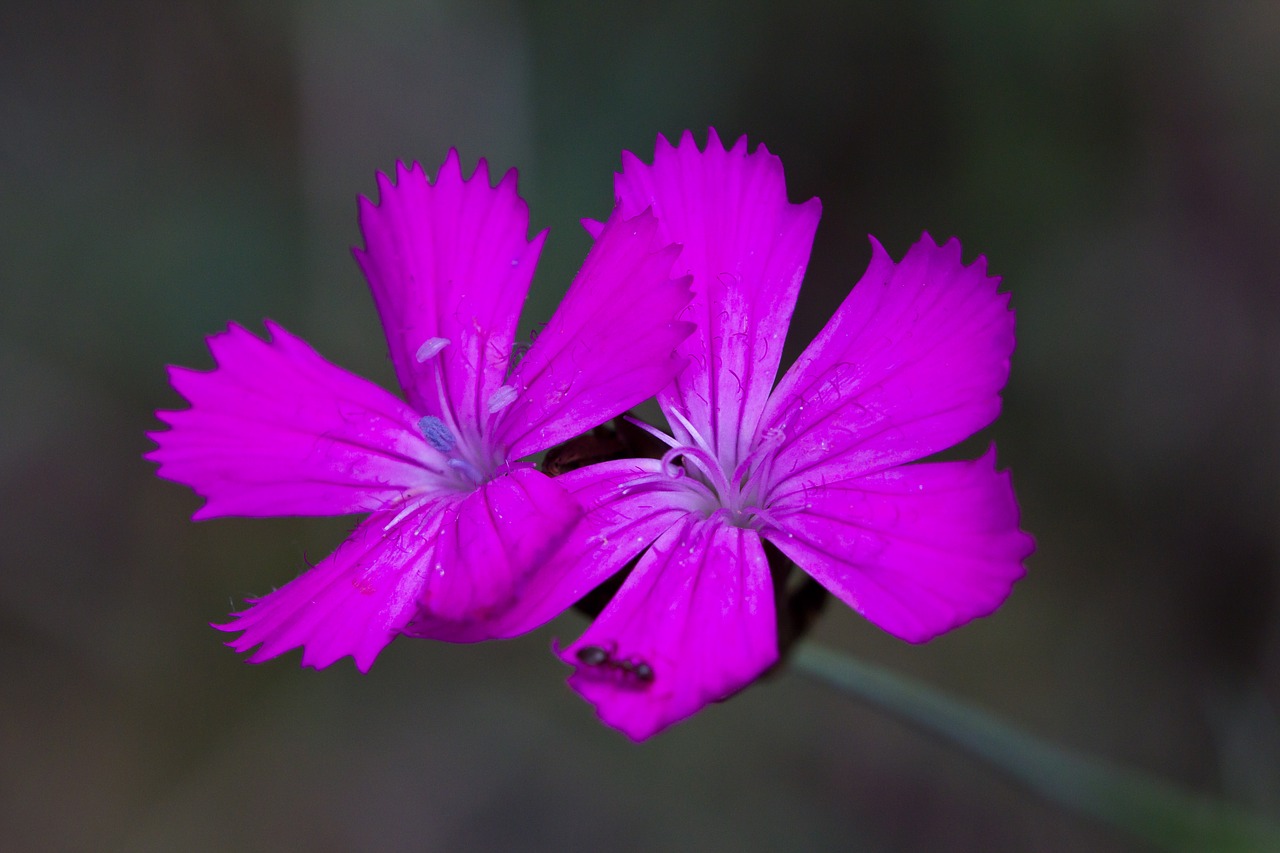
912	363
458	523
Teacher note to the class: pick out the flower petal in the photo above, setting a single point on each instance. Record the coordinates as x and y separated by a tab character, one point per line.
353	602
275	429
609	346
918	549
697	611
747	248
911	363
491	541
617	526
448	261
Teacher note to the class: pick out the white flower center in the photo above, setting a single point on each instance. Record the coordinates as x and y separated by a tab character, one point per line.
692	468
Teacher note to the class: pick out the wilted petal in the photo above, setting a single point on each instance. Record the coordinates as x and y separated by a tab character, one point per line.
747	248
918	549
697	611
912	362
609	346
275	429
353	602
448	261
491	541
619	523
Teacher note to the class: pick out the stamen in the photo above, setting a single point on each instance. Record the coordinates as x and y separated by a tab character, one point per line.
471	472
669	466
763	518
409	507
652	430
446	406
689	428
659	482
705	463
430	348
437	434
503	397
771	438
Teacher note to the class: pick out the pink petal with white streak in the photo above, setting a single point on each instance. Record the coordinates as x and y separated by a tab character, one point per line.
911	363
609	346
275	429
492	541
698	610
619	524
449	260
917	549
747	248
353	602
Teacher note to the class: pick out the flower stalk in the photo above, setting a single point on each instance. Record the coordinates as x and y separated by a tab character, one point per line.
1139	804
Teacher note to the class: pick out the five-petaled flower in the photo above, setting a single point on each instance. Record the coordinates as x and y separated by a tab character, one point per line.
458	523
911	363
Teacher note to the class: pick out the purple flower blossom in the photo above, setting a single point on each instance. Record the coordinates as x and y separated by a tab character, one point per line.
912	363
458	523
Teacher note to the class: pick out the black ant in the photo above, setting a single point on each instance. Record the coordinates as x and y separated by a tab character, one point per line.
634	672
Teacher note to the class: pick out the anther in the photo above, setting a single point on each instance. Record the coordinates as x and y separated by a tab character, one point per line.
468	470
437	434
503	397
430	348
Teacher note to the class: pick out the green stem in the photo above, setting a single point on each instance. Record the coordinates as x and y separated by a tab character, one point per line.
1139	804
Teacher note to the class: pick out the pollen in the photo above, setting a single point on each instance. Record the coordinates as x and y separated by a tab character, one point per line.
430	349
437	434
503	397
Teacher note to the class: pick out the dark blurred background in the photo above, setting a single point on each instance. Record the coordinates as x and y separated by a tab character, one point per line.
168	167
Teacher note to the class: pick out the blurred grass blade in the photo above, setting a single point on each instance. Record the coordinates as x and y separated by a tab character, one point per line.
1137	803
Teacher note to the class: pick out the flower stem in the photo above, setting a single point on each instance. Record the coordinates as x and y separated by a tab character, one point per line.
1144	806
